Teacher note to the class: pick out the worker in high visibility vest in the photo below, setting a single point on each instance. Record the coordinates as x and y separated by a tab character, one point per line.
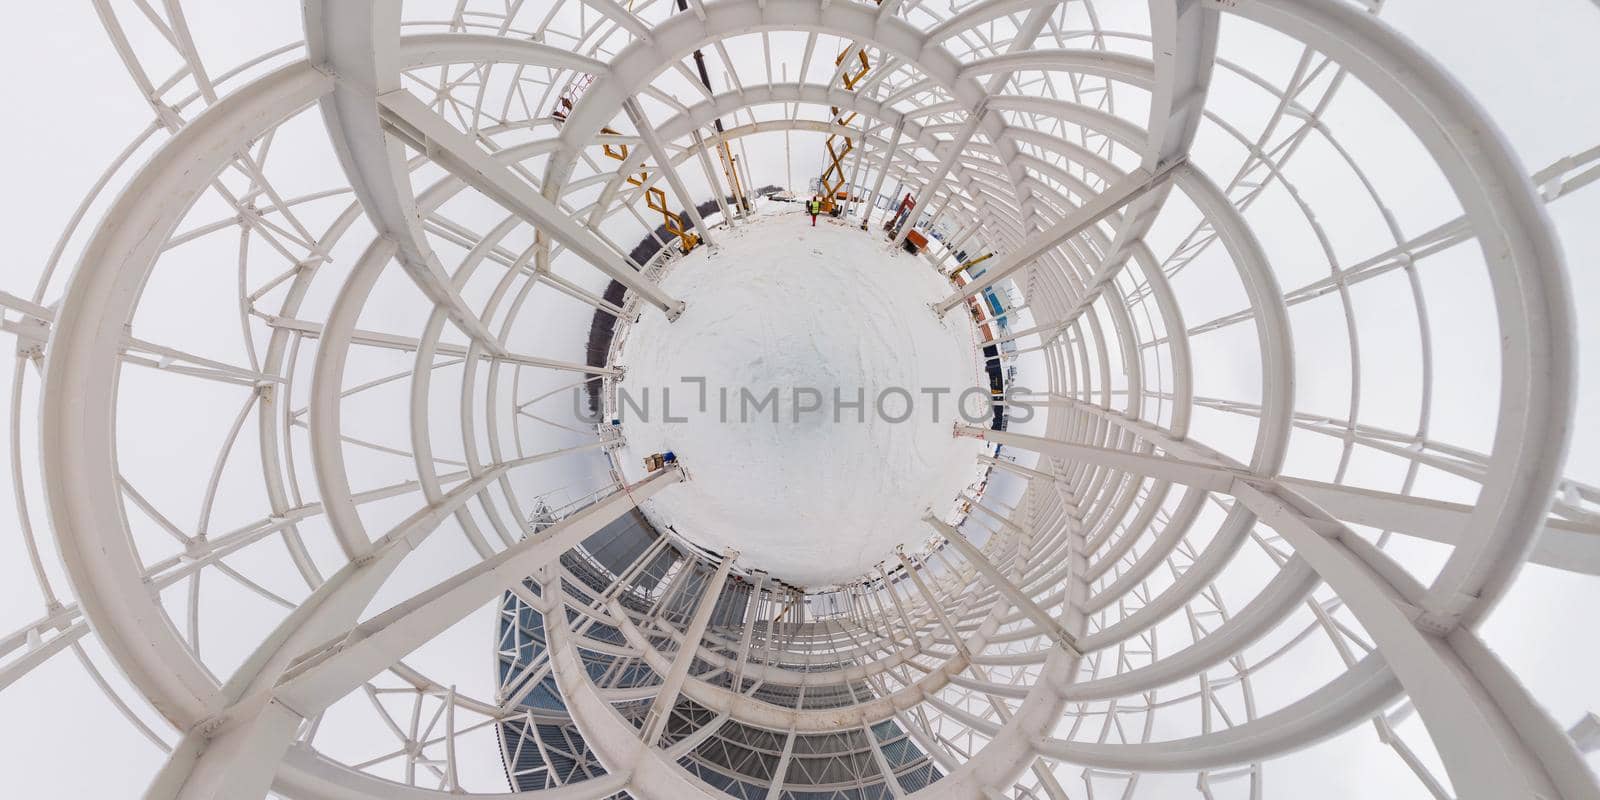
814	205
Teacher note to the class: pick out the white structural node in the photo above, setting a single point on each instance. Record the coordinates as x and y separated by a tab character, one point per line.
1220	430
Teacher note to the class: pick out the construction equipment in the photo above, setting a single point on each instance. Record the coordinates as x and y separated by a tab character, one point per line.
976	261
655	198
833	177
906	204
730	168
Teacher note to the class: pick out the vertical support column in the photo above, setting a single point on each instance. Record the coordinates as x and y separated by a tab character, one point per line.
652	143
788	163
751	613
671	589
655	722
749	173
933	604
451	778
730	170
855	172
889	780
924	738
955	243
1096	208
459	154
1492	737
951	574
766	644
1018	598
880	616
776	787
899	607
859	611
624	580
938	213
883	172
997	516
711	177
945	164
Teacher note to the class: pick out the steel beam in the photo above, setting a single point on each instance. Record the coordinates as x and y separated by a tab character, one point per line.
403	114
655	722
358	43
1048	625
236	752
1091	212
658	152
323	675
1494	741
717	193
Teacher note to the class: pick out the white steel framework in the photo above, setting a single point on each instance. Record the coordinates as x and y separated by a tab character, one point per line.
1191	590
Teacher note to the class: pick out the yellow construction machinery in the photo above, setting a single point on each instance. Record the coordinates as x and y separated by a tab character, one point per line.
655	198
730	168
834	178
975	262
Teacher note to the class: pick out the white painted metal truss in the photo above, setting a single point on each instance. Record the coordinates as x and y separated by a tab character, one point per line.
1106	633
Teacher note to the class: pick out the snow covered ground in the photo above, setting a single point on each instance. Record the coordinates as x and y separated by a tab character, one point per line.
785	306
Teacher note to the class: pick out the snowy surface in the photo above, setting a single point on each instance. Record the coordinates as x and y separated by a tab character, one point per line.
785	305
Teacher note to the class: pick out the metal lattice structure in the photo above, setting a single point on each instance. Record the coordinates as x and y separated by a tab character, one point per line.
281	411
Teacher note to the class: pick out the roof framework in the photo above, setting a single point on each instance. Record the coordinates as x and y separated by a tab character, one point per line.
1117	626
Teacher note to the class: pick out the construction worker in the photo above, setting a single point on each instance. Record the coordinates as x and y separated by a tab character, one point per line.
814	205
